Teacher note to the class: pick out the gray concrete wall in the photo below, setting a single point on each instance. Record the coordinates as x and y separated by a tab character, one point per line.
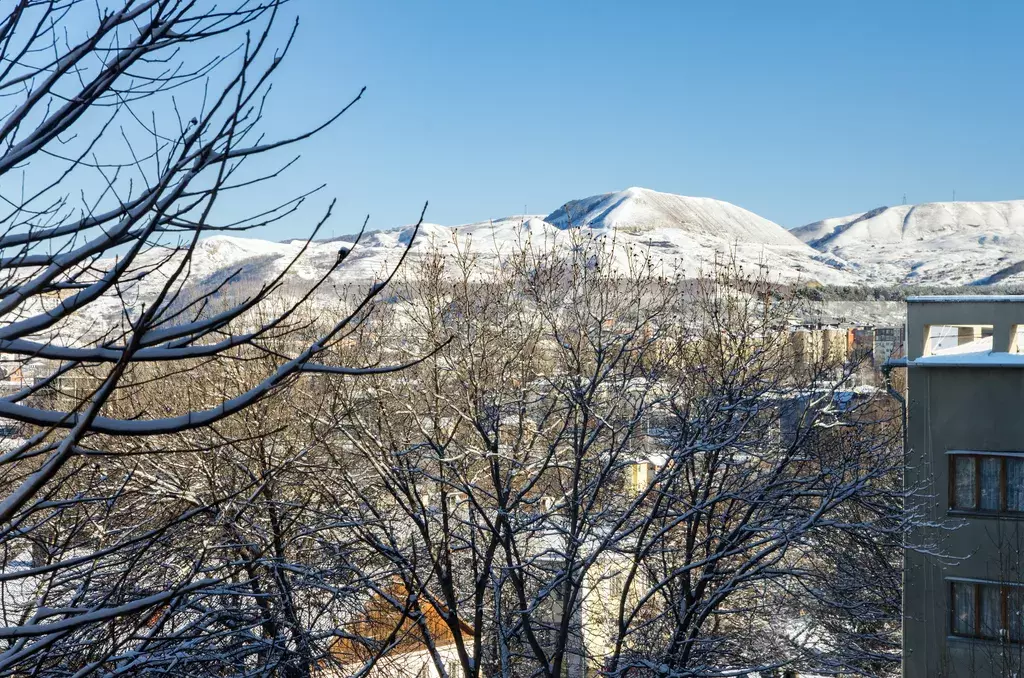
967	409
974	407
1002	313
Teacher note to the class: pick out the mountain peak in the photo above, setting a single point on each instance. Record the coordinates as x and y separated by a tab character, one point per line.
642	210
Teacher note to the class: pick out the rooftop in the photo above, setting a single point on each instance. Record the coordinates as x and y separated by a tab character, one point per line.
965	331
966	299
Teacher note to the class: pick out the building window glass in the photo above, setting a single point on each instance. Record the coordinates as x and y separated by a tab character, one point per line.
964	495
987	610
991	613
963	609
1015	485
989	483
1015	613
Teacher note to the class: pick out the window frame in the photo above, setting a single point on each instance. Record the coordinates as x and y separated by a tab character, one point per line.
1004	611
978	457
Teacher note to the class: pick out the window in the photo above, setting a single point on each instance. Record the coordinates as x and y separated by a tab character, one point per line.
548	618
987	611
988	483
615	586
964	481
990	486
964	608
1015	485
1015	613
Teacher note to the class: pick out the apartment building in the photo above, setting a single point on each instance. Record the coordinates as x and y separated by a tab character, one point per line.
888	342
964	576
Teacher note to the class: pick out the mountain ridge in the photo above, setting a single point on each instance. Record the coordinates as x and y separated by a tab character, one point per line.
689	233
979	243
947	244
951	243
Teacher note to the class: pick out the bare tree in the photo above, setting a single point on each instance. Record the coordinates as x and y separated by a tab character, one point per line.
611	468
280	531
605	468
121	141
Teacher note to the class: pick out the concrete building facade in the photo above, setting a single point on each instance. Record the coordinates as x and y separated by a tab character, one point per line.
888	343
964	573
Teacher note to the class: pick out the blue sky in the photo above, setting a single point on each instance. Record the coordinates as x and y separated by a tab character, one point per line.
794	110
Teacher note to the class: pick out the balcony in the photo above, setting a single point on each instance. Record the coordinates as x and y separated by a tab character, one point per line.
965	331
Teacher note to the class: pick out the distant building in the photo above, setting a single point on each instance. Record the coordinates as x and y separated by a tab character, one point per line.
640	473
383	626
833	345
963	599
860	343
888	343
818	347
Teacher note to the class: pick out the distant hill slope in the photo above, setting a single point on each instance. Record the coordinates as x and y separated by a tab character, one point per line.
685	235
695	232
640	210
945	243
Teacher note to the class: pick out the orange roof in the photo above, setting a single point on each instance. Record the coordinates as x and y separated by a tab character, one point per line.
380	619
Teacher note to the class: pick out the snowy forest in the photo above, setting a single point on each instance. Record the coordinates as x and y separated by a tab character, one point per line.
528	464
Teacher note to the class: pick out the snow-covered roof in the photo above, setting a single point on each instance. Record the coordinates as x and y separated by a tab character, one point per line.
965	298
973	353
983	359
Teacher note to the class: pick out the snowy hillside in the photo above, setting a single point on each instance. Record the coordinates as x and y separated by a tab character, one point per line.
947	243
692	232
688	233
639	210
685	235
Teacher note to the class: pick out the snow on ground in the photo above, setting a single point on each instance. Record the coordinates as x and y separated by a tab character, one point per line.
17	596
878	313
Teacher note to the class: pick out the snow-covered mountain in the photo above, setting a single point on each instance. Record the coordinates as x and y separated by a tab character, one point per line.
638	210
945	243
937	243
693	232
687	234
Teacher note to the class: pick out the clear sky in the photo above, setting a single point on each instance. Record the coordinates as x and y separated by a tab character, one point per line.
794	110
